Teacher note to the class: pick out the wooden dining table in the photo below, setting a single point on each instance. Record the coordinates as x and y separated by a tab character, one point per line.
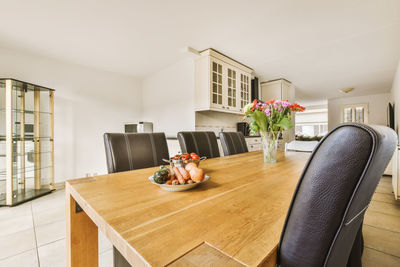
233	219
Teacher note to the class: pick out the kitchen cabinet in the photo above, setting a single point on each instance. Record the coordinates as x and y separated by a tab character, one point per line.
254	143
280	89
221	83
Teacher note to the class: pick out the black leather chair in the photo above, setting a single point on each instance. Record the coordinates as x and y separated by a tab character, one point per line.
126	152
233	143
324	222
202	143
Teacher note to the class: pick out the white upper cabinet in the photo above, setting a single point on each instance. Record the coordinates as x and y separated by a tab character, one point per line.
221	83
277	89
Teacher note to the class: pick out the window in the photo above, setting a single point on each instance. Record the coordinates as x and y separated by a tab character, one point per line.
312	122
355	113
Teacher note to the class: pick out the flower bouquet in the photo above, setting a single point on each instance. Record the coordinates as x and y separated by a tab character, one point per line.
270	118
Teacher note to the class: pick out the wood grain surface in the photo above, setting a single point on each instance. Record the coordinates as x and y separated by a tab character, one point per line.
240	211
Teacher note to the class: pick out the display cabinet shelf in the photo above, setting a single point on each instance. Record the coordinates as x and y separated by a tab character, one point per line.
26	141
27	111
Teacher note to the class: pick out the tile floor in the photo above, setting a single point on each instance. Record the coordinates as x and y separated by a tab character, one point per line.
33	234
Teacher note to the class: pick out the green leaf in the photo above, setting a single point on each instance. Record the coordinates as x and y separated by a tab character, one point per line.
254	127
285	123
247	109
261	120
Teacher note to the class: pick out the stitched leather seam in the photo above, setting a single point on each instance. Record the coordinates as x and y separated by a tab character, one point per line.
108	147
209	144
128	148
195	144
355	217
241	141
233	143
223	144
153	149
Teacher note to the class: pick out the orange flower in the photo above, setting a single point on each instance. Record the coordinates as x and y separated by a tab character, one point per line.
254	104
269	102
296	107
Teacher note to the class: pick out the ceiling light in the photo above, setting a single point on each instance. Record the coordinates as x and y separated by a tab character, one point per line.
346	90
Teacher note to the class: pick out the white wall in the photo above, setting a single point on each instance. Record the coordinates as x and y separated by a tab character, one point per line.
168	98
395	97
87	103
377	108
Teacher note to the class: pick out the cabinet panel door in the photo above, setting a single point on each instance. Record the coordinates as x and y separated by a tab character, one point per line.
232	85
244	89
217	91
271	90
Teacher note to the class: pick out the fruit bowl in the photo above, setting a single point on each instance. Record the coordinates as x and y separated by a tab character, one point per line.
178	187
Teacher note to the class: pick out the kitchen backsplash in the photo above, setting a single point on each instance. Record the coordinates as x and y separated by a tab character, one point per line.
215	121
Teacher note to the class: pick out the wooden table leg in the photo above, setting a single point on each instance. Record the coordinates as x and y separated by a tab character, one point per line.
82	236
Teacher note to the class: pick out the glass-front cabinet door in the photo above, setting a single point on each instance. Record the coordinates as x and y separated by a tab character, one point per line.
217	84
244	90
232	85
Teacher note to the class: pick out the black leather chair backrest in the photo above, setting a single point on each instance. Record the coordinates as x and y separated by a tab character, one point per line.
335	189
132	151
233	143
202	143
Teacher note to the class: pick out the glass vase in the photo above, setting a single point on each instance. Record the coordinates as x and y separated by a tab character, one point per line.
270	146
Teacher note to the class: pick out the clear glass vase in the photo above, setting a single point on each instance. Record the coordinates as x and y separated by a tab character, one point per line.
270	146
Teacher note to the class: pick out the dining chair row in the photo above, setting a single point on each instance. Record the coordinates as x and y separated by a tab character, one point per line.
141	150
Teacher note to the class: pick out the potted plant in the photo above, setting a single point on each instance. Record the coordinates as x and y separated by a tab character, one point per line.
270	118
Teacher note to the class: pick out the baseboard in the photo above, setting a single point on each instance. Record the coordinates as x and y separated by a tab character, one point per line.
59	186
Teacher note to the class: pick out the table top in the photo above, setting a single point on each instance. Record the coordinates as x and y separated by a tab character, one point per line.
240	211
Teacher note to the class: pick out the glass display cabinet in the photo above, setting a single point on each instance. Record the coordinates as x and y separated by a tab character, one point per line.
26	141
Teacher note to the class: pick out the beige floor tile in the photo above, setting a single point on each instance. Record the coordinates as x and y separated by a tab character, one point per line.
385	208
51	201
373	258
14	224
106	258
53	254
17	243
48	216
382	220
50	232
382	240
20	210
25	259
104	243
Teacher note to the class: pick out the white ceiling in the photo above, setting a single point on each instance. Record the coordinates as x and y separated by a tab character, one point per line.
321	46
